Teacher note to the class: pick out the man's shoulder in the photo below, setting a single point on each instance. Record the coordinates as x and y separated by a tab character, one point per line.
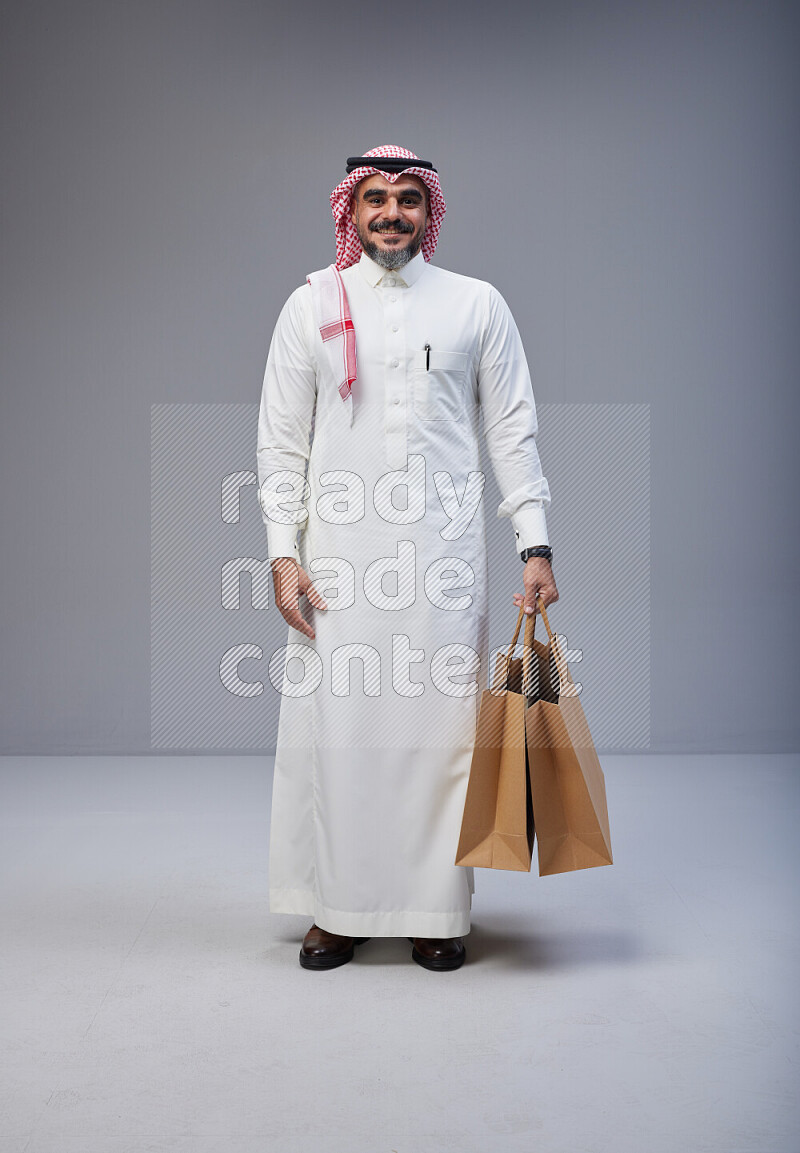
437	270
296	312
298	301
460	281
319	272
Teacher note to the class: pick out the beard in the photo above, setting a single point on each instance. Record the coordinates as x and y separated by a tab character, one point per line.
390	258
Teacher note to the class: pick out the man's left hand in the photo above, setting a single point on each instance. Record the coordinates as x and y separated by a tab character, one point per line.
539	581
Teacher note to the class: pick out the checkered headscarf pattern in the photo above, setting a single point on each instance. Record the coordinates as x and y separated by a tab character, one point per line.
332	310
348	246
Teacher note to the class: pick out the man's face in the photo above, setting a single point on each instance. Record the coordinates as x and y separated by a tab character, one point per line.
390	218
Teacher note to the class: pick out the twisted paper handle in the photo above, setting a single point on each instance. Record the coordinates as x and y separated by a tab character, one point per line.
503	664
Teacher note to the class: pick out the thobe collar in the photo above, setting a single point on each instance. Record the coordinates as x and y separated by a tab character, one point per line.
409	274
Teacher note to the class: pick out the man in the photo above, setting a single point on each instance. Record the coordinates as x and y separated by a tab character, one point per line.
379	372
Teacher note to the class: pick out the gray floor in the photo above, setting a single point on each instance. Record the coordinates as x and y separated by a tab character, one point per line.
152	1003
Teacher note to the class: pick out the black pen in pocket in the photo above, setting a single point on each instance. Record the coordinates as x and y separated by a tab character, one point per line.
427	357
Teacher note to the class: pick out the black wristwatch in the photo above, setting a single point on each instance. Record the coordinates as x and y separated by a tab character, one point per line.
541	550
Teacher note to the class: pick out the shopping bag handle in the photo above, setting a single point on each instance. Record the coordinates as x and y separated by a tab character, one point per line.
501	678
527	652
561	664
516	632
555	648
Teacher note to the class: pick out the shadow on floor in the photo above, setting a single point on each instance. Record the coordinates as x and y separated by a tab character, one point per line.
494	941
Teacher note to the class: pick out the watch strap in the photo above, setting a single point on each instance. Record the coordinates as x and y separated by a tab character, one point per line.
540	550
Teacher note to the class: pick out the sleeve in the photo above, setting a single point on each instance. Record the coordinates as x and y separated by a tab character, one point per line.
285	424
505	395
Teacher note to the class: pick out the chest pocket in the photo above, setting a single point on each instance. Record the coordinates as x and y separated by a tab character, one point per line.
439	390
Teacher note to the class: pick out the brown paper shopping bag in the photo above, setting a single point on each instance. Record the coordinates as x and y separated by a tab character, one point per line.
567	783
497	825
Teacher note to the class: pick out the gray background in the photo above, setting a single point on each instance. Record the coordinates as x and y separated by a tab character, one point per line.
624	173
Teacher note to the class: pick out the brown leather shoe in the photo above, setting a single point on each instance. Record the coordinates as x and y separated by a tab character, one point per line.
439	952
324	950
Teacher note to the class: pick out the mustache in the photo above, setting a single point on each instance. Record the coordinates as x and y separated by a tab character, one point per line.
391	226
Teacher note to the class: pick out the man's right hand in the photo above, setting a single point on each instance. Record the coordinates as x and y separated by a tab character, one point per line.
291	582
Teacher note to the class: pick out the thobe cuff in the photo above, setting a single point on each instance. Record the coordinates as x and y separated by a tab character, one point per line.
282	541
530	527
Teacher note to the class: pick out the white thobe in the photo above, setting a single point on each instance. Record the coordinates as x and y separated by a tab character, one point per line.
378	714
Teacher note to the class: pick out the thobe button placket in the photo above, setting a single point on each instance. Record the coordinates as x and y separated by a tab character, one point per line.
395	378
